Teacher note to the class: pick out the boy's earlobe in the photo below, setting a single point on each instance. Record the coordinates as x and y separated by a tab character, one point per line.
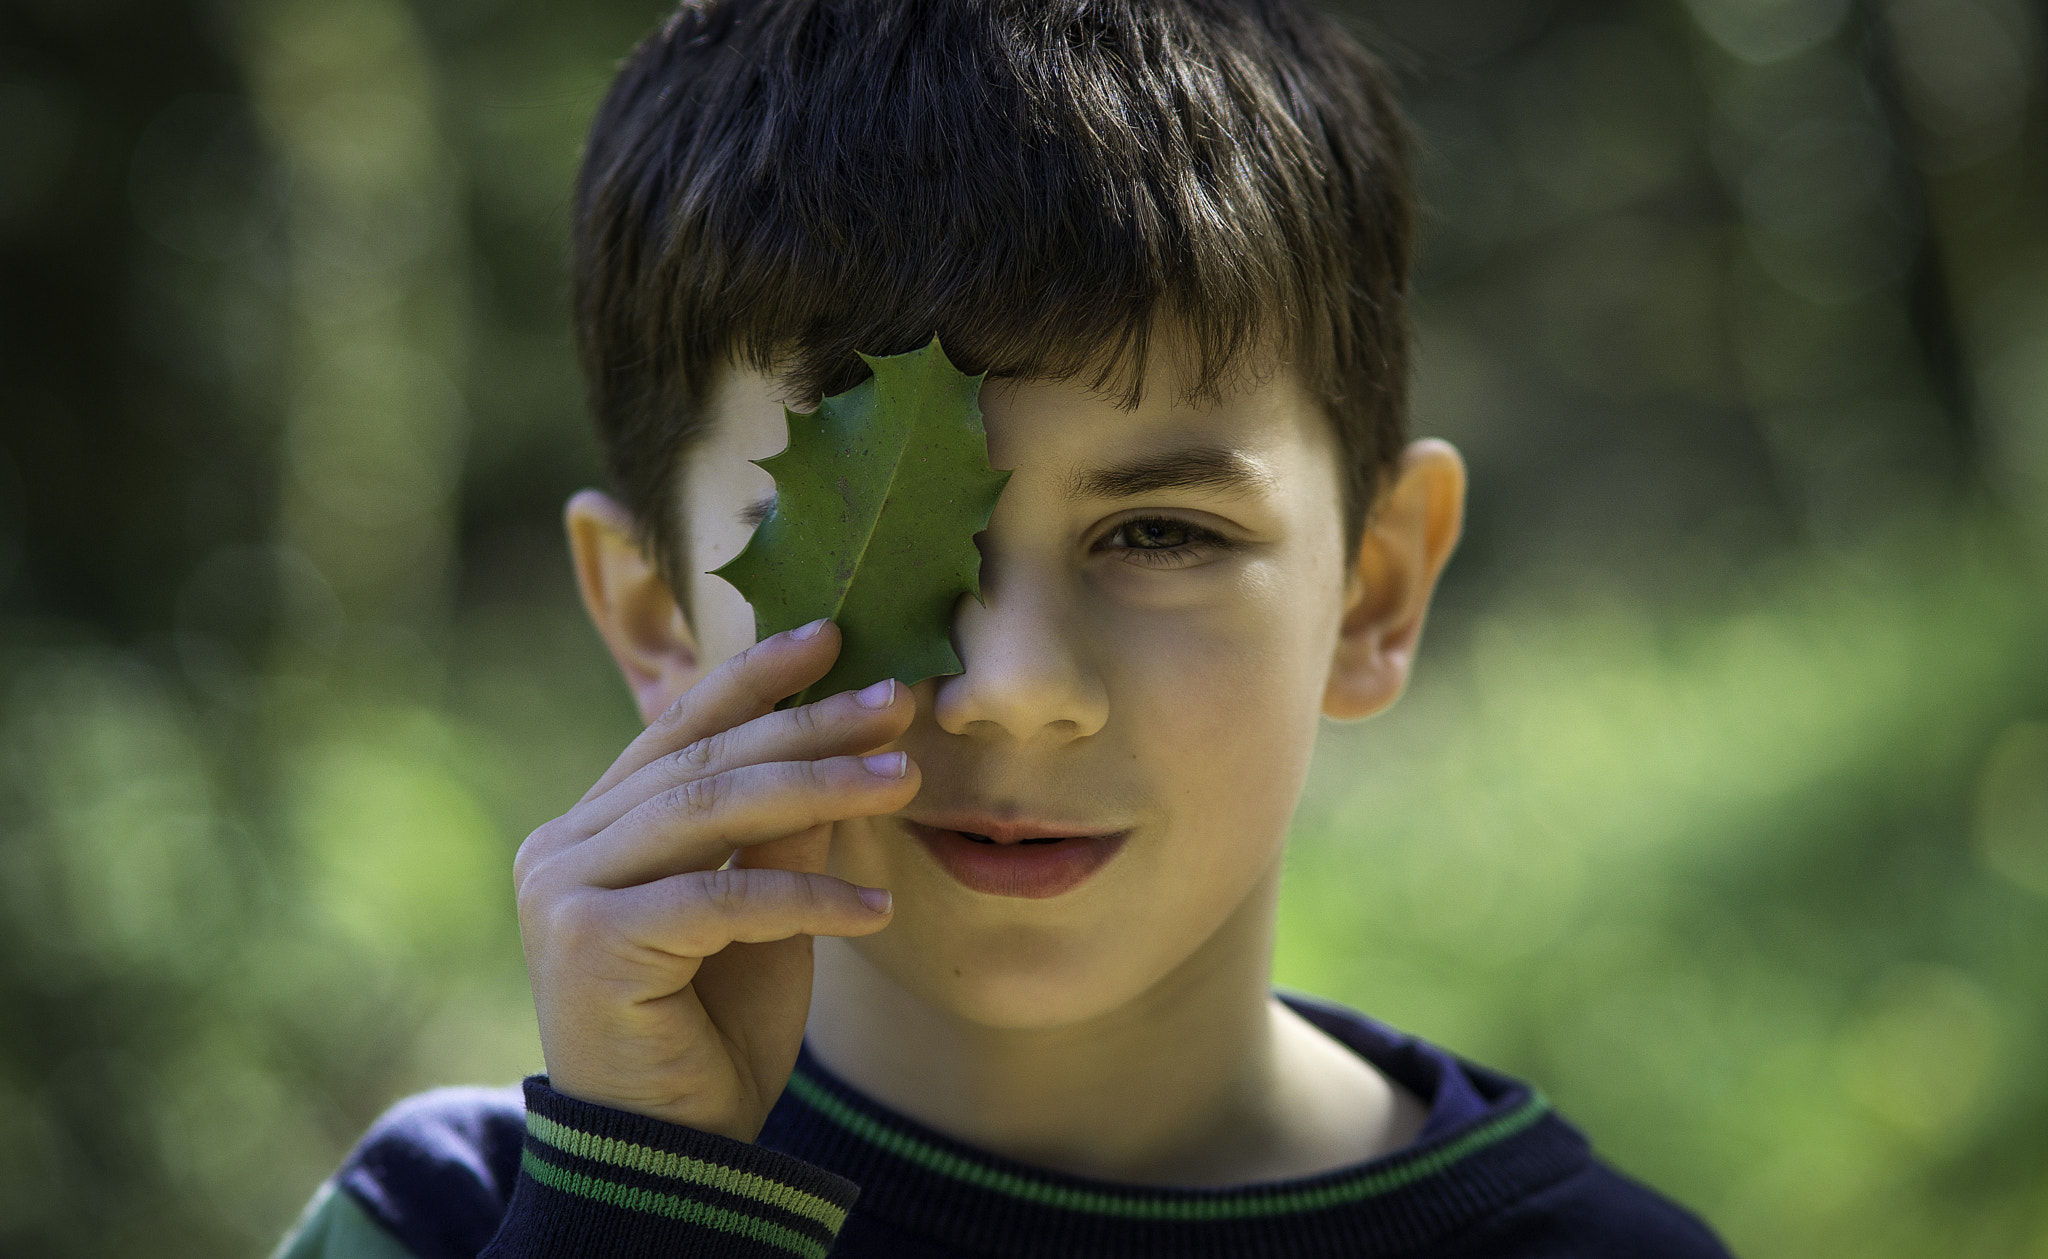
630	603
1408	539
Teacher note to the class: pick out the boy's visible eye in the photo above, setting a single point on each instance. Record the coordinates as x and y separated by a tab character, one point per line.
1161	541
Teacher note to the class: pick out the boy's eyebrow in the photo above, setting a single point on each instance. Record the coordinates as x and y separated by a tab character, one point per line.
1195	468
757	511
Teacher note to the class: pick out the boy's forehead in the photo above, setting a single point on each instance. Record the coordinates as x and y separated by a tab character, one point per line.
1086	444
1072	435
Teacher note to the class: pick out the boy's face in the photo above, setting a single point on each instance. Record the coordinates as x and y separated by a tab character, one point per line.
1166	596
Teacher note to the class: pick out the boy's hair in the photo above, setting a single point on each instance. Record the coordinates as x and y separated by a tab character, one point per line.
1044	184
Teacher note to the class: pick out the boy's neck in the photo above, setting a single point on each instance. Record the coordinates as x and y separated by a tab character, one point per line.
1203	1079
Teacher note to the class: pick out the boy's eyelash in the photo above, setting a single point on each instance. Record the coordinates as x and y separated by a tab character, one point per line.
1196	537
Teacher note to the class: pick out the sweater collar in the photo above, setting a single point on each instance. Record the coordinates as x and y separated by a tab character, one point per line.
1489	1153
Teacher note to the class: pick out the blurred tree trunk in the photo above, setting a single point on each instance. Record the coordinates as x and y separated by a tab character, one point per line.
1965	79
125	429
377	299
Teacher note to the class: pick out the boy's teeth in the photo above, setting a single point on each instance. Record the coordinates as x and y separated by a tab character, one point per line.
983	839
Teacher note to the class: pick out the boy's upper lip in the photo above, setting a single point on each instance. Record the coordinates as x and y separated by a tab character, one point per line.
1011	828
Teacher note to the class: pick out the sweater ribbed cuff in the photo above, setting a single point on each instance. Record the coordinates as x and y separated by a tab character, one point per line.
597	1181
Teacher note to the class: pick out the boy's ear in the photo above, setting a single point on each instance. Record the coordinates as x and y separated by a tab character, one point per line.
630	603
1408	537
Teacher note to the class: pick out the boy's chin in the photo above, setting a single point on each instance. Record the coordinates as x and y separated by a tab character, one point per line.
1023	981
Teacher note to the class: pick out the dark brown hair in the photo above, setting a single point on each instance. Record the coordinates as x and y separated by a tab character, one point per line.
1040	183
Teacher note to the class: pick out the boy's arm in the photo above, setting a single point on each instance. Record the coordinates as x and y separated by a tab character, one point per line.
594	1180
457	1173
334	1227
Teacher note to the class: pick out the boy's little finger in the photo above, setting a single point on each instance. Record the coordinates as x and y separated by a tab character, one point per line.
697	914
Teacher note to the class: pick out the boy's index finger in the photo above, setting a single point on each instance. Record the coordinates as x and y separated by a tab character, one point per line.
744	687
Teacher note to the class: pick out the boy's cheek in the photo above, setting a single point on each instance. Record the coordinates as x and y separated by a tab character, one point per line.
724	622
1221	683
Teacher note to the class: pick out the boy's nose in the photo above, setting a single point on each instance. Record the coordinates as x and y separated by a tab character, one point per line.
1027	672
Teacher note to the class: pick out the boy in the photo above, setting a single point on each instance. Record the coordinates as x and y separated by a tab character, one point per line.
979	966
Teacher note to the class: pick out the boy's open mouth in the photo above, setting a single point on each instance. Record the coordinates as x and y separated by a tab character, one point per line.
1013	862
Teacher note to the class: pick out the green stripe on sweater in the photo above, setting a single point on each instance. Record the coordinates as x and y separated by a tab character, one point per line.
1141	1207
671	1206
696	1171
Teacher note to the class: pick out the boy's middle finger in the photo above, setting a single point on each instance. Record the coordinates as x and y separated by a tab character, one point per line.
697	825
838	725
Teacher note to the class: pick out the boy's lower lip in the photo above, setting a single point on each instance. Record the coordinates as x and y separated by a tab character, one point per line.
1027	870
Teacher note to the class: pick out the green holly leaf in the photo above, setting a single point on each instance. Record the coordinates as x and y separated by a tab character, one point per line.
877	500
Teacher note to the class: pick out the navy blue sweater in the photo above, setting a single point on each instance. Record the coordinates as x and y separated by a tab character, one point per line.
465	1172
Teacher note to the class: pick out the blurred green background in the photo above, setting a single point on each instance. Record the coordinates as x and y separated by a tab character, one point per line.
1719	806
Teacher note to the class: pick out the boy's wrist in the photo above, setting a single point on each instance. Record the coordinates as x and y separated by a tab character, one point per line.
731	1126
594	1179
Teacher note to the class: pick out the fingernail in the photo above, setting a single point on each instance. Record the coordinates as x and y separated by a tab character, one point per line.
887	764
875	898
804	632
878	695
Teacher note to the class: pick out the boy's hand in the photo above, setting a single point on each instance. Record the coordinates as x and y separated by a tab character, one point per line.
666	984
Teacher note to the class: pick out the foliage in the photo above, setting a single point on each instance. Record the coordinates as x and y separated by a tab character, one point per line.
1753	893
878	497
